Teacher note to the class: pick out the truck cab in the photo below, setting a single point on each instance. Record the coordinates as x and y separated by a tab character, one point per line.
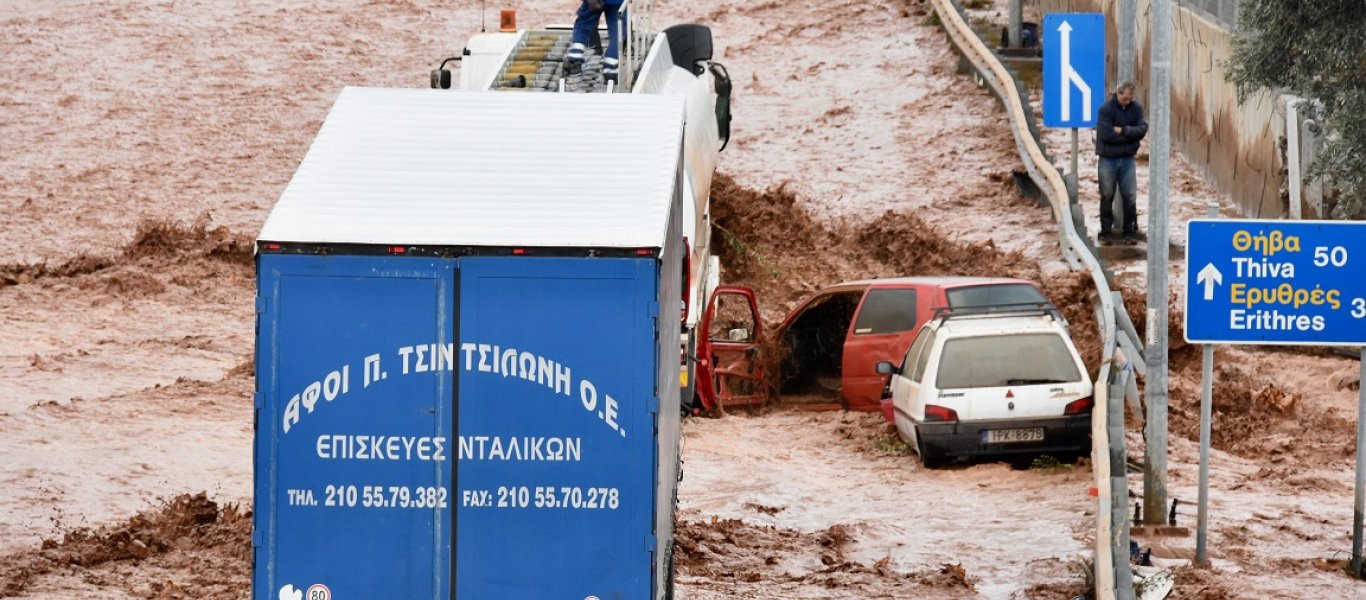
675	61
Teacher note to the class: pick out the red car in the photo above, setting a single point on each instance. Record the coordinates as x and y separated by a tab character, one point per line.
833	340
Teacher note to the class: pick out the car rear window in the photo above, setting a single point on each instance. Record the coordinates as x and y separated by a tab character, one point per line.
886	311
1001	360
987	295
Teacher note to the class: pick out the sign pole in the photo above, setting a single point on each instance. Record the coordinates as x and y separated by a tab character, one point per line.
1016	25
1159	145
1124	66
1360	506
1206	415
1076	180
1206	408
1124	71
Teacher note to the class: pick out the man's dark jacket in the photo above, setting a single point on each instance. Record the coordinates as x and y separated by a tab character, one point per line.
1118	145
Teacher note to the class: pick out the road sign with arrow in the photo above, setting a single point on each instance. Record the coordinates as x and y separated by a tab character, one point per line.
1275	282
1209	277
1073	69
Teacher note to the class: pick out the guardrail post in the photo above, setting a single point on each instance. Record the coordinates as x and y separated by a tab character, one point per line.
1119	483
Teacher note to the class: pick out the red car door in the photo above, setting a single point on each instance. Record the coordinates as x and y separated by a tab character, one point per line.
730	371
882	330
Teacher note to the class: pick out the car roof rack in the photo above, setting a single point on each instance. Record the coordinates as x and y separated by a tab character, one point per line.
1015	309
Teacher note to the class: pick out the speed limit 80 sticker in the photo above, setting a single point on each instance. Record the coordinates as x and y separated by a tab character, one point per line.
316	591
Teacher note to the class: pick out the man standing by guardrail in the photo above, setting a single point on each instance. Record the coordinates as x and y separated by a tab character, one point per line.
1120	127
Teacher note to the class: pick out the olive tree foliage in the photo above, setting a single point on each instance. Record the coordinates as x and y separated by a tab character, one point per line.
1315	49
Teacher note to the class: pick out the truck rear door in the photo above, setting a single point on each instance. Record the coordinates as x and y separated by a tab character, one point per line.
556	422
353	425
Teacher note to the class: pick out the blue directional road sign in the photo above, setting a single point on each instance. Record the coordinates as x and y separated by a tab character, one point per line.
1073	69
1275	282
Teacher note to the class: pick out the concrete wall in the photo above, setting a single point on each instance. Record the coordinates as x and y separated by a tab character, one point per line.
1237	147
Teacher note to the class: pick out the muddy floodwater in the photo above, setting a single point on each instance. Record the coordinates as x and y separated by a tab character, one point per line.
143	144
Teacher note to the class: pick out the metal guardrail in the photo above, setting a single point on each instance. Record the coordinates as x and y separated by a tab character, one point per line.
1113	577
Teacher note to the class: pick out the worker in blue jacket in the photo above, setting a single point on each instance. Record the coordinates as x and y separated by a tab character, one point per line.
1120	127
584	27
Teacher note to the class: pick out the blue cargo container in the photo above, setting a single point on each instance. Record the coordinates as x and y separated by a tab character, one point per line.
467	366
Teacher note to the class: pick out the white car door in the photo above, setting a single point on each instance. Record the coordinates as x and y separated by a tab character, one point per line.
922	366
906	384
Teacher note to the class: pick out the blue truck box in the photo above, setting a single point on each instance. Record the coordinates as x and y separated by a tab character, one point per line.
467	367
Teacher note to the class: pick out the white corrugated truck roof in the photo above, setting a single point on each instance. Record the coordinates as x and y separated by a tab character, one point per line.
437	167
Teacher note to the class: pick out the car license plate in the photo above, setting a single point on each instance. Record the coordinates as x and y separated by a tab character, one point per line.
1006	436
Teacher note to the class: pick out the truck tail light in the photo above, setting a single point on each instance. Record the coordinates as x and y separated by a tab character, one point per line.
397	249
687	278
1079	407
519	251
940	413
270	246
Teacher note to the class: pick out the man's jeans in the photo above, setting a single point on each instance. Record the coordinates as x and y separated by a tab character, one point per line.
1117	172
587	21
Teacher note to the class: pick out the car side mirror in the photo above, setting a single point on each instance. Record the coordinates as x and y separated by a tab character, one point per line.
885	368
